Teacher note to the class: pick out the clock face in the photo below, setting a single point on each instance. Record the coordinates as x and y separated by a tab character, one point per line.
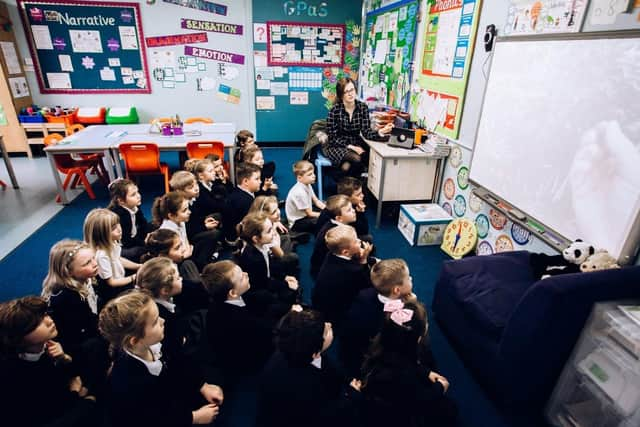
455	156
459	205
459	238
449	188
463	178
504	243
482	222
475	203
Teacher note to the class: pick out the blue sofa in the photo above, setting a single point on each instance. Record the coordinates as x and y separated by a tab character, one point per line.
515	332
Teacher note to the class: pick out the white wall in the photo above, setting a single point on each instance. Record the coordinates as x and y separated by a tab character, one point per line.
164	19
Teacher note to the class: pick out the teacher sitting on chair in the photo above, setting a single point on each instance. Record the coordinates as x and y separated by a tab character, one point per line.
347	123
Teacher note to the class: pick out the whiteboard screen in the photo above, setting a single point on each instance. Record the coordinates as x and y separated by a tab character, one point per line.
559	135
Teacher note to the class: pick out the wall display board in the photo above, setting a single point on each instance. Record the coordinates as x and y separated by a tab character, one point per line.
544	16
389	39
295	43
86	47
569	167
438	94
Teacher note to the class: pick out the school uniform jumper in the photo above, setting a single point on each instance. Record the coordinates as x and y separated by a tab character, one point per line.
238	204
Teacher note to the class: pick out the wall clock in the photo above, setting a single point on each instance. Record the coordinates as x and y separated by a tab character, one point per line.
460	238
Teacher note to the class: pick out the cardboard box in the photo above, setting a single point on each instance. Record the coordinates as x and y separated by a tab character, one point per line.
423	224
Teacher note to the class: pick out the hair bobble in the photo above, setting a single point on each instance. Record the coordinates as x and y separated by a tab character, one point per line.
399	314
114	182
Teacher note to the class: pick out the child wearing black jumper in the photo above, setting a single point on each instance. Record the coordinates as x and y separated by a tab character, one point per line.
143	389
41	386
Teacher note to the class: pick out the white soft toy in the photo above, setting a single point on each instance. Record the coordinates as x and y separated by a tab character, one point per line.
601	260
578	252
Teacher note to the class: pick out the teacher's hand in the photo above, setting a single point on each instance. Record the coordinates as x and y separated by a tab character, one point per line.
358	150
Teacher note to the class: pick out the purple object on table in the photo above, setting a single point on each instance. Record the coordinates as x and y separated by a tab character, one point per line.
177	130
166	130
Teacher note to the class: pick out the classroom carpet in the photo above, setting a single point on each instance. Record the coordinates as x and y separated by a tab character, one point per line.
22	271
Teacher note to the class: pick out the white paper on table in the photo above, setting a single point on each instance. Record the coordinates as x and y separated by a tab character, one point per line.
59	80
11	57
114	62
128	38
107	74
263	84
279	88
265	102
382	49
85	41
65	63
42	37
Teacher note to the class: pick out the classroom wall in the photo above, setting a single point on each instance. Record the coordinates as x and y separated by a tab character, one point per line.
160	19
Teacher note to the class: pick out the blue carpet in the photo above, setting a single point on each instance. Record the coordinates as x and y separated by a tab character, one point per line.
22	271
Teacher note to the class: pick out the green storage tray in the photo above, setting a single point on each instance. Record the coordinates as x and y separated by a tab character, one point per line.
119	116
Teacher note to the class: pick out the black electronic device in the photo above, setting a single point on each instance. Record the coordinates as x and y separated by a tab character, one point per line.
402	137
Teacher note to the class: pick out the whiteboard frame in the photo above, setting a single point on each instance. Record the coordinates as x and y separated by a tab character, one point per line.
631	246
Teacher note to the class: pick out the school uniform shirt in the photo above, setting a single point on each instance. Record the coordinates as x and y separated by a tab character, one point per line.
76	317
37	393
300	197
241	340
344	130
238	204
339	281
145	393
109	263
180	229
291	395
134	226
320	249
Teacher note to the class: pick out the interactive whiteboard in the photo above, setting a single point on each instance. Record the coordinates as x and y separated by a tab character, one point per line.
559	135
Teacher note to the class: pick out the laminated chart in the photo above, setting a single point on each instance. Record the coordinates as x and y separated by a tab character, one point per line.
306	44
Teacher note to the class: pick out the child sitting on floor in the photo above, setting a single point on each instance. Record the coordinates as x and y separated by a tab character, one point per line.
301	199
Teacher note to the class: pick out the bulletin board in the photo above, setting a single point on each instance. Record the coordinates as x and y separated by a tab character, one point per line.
389	39
305	44
450	32
81	47
545	16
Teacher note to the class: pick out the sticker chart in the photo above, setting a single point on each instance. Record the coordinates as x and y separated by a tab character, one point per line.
86	47
290	43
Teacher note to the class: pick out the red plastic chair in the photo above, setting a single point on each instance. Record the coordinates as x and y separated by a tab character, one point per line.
200	149
73	169
98	169
198	120
143	158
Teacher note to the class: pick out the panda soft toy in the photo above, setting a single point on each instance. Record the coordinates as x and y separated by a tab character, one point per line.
572	257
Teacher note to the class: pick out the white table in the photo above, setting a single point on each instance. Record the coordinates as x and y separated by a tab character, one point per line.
398	174
106	139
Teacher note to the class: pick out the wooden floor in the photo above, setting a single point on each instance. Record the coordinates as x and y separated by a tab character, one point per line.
26	209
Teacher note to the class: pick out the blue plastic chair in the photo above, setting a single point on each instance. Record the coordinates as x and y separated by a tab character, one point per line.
321	161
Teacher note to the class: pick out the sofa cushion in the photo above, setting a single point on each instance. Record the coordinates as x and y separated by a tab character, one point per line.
489	293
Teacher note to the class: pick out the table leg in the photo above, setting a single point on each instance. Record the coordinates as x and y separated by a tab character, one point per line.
107	161
116	160
56	177
232	166
383	170
8	164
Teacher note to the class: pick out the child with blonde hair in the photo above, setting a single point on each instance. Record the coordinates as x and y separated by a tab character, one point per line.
344	273
144	390
73	305
302	199
34	365
125	202
102	231
285	260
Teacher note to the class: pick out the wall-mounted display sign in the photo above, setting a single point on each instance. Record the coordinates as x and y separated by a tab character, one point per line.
83	47
294	43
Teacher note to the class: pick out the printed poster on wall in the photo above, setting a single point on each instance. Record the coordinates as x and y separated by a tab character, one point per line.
450	33
545	16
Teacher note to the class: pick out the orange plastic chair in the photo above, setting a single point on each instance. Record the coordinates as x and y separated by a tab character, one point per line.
143	158
198	120
98	169
73	169
200	149
162	119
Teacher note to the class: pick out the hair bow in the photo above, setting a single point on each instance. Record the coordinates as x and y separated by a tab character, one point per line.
399	314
